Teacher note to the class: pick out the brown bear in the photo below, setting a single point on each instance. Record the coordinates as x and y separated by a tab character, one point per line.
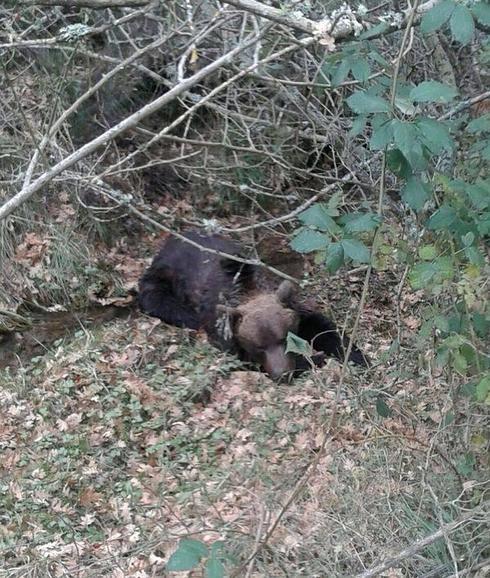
188	287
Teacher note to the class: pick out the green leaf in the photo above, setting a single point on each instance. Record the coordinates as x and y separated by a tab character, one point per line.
374	31
318	216
428	252
481	11
363	103
214	568
481	324
415	193
432	91
437	16
479	125
360	222
382	407
341	72
479	194
435	135
462	24
448	419
485	154
334	202
295	344
474	256
358	125
424	274
443	218
468	389
187	556
398	163
360	69
405	134
405	106
466	465
442	323
459	363
382	136
483	388
356	250
335	257
307	241
468	239
406	138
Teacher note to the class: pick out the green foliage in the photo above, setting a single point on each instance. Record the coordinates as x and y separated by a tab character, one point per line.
437	16
319	216
462	24
481	11
453	213
308	240
483	389
336	237
382	407
295	344
415	193
187	556
365	103
459	16
356	250
334	258
190	554
432	91
479	125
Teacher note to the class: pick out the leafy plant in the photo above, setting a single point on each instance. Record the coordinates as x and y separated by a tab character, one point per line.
452	206
190	553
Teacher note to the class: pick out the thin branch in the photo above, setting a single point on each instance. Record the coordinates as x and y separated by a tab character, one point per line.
466	104
85	96
129	122
96	4
423	543
255	262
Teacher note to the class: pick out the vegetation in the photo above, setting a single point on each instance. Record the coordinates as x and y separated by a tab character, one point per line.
346	145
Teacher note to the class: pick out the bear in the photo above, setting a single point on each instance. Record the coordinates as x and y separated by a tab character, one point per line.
190	284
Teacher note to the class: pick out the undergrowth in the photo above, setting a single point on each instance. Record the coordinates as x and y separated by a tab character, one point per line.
121	440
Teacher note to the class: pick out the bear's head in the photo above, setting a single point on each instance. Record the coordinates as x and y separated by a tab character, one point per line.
260	327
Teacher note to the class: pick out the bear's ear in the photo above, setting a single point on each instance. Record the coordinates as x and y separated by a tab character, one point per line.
286	293
233	313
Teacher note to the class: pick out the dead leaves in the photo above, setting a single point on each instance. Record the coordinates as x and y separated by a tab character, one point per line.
32	250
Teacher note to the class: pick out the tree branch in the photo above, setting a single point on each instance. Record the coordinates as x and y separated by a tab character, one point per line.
95	4
127	123
423	543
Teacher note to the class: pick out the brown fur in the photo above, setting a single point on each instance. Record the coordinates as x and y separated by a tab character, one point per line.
234	303
261	330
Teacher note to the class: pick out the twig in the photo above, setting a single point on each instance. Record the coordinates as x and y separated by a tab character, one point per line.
96	4
129	122
423	543
465	104
255	262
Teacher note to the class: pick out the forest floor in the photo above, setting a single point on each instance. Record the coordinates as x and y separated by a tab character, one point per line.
123	438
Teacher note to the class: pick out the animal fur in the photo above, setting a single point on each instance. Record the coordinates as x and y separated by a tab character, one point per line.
188	287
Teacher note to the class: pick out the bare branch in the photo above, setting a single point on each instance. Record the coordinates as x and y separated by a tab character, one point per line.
423	543
275	14
127	123
96	4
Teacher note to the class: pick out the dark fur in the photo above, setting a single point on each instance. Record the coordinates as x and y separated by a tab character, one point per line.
184	285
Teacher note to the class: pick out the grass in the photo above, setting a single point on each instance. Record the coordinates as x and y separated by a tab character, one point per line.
120	441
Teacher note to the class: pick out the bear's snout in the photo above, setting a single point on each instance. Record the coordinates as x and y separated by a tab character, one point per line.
277	363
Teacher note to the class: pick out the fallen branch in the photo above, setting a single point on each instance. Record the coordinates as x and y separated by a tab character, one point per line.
423	543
